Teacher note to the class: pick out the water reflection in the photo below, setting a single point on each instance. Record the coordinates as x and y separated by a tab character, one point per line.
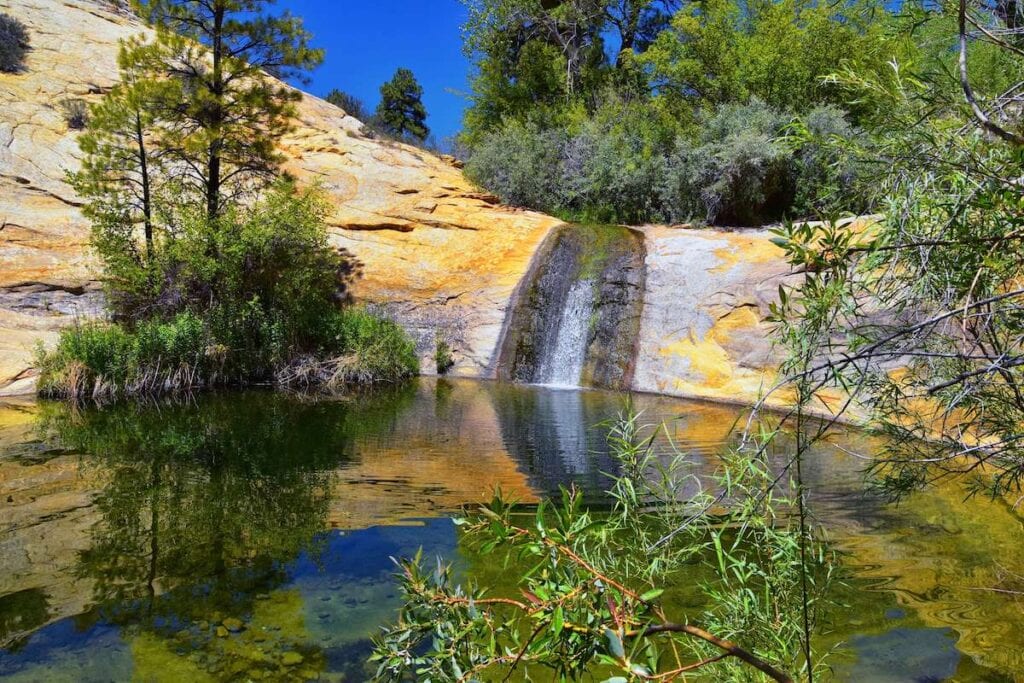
248	536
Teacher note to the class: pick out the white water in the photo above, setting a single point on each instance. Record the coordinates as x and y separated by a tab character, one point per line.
562	365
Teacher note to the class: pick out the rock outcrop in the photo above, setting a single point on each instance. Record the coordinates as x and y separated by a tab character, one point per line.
706	296
434	253
440	256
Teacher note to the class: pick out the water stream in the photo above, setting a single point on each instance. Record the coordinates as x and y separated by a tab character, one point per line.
561	365
576	320
247	536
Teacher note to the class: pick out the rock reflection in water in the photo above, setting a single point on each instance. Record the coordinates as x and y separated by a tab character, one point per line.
248	536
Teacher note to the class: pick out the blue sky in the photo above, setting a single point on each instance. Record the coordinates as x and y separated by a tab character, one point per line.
366	40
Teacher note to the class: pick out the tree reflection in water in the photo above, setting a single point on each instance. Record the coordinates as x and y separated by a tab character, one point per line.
201	512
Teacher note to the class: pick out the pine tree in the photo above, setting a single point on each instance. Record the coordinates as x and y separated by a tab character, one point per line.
401	111
224	131
122	168
351	104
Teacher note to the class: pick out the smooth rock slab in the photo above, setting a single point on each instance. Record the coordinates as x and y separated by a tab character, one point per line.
706	295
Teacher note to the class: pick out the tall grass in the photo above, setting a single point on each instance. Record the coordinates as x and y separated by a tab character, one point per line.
188	353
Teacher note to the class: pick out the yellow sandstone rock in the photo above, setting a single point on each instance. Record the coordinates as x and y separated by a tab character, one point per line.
442	257
431	250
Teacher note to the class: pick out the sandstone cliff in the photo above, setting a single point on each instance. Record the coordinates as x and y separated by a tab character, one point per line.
445	257
442	258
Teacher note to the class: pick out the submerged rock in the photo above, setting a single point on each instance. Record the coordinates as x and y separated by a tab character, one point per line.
292	659
233	625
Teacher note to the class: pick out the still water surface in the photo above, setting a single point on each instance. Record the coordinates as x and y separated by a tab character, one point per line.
248	536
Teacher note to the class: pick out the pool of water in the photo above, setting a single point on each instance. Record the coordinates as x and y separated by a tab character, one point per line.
248	536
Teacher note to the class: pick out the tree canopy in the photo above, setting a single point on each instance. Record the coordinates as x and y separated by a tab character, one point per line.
222	133
401	112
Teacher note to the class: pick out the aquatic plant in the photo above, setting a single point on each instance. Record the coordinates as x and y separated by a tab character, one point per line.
103	361
593	599
443	358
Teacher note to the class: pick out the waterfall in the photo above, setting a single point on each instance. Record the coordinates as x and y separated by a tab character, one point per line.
576	317
562	366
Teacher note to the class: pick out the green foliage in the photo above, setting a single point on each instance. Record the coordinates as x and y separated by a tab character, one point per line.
443	359
779	52
103	361
738	170
692	120
629	162
221	127
917	316
591	600
365	348
350	104
536	59
273	255
14	43
122	172
188	352
521	163
611	164
401	112
217	270
76	113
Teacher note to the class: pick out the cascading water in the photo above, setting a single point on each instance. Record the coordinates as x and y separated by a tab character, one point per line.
562	366
577	315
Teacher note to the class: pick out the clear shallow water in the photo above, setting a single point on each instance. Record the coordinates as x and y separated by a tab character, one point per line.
127	535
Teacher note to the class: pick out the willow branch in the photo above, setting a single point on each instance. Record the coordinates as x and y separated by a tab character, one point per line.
965	85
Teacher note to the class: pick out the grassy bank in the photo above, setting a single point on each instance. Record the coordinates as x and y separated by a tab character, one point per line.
189	353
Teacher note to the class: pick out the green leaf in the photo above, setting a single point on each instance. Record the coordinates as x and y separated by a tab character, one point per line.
614	643
652	594
557	620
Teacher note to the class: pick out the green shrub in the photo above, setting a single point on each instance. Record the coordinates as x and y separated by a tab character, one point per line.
13	44
743	164
380	348
76	113
443	359
350	104
827	175
107	360
521	163
273	256
612	165
736	172
187	352
358	347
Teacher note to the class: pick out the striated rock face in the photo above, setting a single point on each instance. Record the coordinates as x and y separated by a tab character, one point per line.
441	257
431	251
706	295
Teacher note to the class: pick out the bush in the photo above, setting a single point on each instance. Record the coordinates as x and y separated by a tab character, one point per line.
611	166
521	163
358	348
745	164
443	360
827	176
76	113
350	104
737	172
267	269
252	296
187	353
13	44
105	361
